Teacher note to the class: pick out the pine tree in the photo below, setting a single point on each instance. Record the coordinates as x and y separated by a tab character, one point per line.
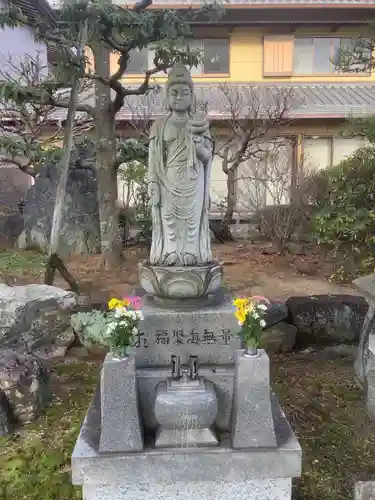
111	28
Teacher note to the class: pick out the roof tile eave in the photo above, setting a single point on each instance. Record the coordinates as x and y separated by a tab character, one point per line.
320	101
262	3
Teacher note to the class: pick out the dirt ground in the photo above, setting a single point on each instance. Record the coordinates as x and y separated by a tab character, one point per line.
323	405
248	269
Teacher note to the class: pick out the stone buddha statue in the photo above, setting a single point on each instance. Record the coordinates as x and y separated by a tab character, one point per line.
180	155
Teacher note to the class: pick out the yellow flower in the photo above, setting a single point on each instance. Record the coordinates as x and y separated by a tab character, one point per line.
241	315
115	303
240	303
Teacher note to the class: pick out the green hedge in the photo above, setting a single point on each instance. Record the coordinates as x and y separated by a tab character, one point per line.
345	219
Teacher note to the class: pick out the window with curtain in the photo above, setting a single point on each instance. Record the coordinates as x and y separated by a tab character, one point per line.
345	146
266	179
319	55
215	57
316	153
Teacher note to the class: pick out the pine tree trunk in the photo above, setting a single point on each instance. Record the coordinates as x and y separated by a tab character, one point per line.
111	242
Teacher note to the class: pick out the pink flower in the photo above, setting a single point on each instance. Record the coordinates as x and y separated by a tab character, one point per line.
134	302
259	298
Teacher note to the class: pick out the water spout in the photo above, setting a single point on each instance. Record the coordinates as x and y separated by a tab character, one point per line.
176	367
193	363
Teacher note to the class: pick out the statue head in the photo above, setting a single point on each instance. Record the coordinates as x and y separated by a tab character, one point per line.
180	89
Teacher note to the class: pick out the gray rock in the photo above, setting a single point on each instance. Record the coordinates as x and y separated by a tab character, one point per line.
279	338
270	249
11	227
7	419
295	248
80	233
364	490
276	311
338	351
25	382
35	317
63	343
327	318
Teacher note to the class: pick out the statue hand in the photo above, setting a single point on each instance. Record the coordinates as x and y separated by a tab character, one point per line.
154	193
207	203
200	149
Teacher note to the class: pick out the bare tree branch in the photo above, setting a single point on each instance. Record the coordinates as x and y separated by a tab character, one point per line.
81	107
254	115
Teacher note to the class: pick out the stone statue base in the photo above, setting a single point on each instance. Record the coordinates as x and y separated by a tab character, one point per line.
177	282
213	472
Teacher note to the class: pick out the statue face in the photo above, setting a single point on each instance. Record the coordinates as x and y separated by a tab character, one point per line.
180	97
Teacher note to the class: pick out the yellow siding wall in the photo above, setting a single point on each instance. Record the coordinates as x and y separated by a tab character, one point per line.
246	59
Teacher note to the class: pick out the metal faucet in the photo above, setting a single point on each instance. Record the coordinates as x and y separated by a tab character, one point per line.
177	372
193	365
176	367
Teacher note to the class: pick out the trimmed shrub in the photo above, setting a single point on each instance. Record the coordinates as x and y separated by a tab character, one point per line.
345	218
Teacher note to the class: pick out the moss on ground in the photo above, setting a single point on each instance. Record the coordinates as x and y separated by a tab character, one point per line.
320	399
35	465
18	264
326	411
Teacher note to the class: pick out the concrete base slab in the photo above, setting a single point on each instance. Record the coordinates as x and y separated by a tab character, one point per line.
276	489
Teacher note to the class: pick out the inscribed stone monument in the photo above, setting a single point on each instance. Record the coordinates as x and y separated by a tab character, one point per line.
198	417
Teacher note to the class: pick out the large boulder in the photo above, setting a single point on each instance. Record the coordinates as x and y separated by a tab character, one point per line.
11	227
80	232
280	337
322	319
24	389
35	317
276	311
7	419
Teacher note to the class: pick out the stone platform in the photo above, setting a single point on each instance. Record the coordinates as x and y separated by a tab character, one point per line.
219	473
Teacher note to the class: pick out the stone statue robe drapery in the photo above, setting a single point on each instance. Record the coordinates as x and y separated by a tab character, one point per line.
180	226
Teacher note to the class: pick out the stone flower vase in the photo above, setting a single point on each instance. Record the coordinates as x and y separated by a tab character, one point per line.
251	351
121	429
119	353
252	417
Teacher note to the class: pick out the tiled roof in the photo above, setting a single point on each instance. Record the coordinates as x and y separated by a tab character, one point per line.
304	101
36	10
264	2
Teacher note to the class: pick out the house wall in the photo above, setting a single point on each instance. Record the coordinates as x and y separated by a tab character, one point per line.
16	44
247	57
317	144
